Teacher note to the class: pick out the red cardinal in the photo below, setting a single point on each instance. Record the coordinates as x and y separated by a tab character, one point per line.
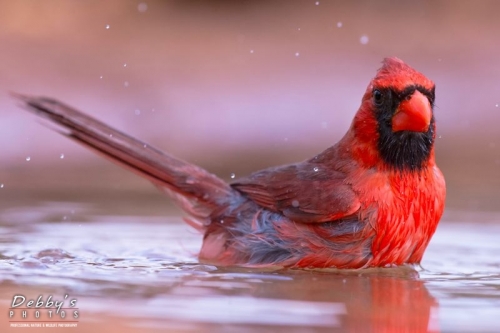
373	199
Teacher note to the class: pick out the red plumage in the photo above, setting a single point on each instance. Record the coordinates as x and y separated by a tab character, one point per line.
373	199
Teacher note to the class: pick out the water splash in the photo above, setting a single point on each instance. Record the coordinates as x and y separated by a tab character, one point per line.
142	7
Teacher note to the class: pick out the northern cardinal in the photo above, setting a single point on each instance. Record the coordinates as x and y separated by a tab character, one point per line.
373	199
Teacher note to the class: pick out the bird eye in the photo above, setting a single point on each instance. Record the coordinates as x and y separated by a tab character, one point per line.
378	97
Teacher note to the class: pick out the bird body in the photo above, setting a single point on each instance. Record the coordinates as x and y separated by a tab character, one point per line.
373	199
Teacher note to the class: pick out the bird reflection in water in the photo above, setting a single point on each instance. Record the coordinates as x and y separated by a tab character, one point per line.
375	300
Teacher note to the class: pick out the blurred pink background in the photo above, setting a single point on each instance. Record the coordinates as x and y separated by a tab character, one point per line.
239	85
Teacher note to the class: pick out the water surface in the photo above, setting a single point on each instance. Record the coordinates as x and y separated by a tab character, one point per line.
140	273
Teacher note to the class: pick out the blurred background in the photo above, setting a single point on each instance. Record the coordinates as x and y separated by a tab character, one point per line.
235	86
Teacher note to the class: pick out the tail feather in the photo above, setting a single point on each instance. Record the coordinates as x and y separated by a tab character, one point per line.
194	189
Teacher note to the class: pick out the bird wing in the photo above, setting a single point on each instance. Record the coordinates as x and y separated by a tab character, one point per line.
304	192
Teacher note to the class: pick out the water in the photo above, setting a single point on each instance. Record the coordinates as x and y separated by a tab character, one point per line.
140	273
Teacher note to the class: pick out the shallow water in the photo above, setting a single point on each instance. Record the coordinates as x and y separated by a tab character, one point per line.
140	273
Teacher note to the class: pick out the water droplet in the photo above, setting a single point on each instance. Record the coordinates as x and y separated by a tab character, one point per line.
251	51
440	137
298	29
297	54
222	221
101	77
233	175
153	110
317	3
496	105
137	112
28	158
111	135
316	169
364	39
108	26
61	156
125	84
142	7
339	24
1	185
65	218
125	65
190	180
145	146
295	203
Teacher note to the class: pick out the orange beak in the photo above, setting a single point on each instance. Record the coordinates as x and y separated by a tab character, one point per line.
413	114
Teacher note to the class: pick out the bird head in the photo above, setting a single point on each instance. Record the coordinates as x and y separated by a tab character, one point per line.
395	123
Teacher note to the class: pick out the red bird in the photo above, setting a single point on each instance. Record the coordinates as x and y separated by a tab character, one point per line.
373	199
